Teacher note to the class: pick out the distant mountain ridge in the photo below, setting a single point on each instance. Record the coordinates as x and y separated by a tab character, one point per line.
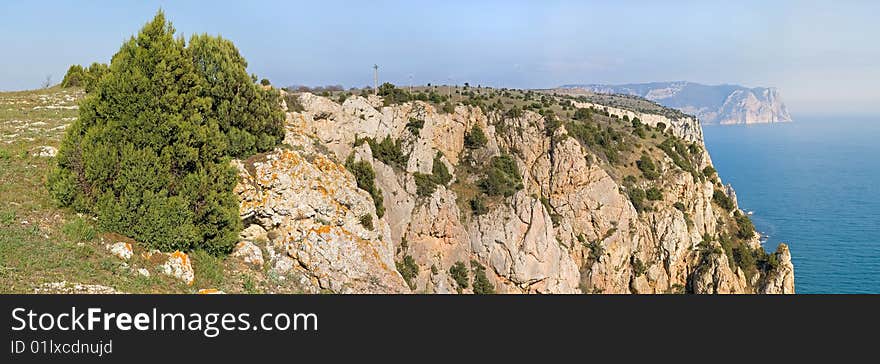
719	104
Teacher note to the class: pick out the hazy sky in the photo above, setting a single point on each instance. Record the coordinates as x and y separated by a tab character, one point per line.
823	56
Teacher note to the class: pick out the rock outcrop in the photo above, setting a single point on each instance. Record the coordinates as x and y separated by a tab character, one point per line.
311	209
571	227
722	104
780	280
684	127
178	265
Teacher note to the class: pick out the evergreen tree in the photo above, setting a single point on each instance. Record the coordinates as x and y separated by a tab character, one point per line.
93	74
149	153
74	77
247	114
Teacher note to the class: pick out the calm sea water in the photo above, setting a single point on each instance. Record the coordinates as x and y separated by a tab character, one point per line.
812	184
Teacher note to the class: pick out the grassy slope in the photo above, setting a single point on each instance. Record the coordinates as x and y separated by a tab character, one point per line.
39	242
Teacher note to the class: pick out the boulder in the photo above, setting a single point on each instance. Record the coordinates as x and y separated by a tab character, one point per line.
249	253
179	266
121	250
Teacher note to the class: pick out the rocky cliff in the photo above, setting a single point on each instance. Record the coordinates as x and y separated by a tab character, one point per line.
355	201
722	104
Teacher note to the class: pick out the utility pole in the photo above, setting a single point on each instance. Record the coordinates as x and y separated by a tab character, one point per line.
449	88
376	79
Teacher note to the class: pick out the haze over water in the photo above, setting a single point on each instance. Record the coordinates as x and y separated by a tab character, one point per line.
811	184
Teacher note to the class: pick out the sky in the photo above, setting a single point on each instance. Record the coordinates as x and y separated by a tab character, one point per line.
821	55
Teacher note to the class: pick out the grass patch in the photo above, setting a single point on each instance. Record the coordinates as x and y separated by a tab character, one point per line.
80	230
208	269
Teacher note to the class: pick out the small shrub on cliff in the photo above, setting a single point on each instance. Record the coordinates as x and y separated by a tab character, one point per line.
551	123
654	194
478	206
680	154
514	112
475	138
648	168
637	196
409	270
366	180
367	221
596	250
149	153
482	285
709	172
388	151
771	261
555	218
721	198
448	108
425	185
458	272
293	103
639	129
744	228
502	177
638	266
439	173
745	259
607	141
265	82
415	125
393	95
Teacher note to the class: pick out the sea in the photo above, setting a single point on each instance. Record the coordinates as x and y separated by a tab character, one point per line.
812	184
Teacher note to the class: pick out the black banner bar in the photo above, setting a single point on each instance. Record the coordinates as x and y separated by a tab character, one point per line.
333	326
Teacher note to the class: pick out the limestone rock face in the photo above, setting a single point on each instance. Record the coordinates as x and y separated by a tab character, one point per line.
312	211
715	275
719	104
517	241
571	228
760	105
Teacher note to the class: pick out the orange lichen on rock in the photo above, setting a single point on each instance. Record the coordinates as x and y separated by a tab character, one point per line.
184	259
324	229
327	165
